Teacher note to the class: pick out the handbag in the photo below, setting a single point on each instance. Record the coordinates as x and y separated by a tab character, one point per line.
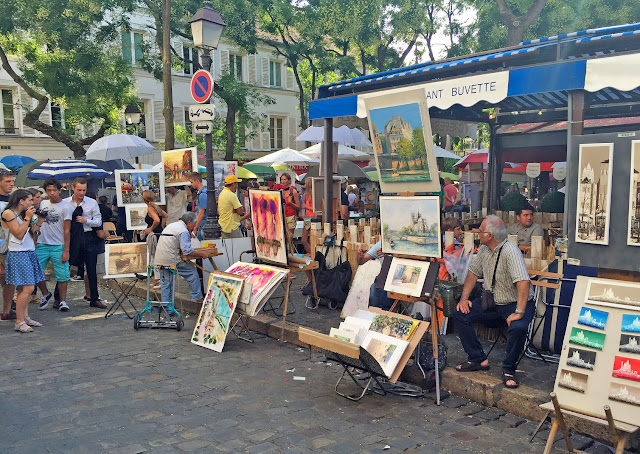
488	303
331	283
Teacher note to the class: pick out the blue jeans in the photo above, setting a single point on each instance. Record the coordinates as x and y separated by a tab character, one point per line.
516	336
379	298
187	271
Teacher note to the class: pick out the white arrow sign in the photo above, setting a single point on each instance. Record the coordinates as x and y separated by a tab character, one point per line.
202	112
203	127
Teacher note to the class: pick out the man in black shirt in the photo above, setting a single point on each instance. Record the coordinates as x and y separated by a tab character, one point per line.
344	200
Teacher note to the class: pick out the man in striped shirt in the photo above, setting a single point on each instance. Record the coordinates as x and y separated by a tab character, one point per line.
512	293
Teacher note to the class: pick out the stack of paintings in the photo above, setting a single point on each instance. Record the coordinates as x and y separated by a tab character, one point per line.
262	280
267	217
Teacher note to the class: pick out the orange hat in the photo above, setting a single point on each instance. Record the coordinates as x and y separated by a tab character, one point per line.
231	179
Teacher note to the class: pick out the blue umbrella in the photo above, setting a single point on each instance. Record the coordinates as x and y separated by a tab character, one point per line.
15	160
67	168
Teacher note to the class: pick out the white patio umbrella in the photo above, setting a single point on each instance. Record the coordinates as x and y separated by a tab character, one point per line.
286	155
343	135
67	168
118	146
442	153
559	165
344	152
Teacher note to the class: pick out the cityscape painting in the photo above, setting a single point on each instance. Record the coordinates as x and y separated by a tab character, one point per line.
624	393
221	170
594	193
629	343
131	183
593	317
633	238
627	368
584	359
125	259
617	294
587	338
573	380
631	323
178	165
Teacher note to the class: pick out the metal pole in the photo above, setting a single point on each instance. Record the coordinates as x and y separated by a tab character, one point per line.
565	218
327	165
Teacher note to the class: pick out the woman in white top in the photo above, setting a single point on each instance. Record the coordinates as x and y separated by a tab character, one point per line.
22	265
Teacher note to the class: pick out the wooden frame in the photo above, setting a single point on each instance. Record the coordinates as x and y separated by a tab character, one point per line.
141	213
269	227
138	174
138	253
178	164
221	170
633	232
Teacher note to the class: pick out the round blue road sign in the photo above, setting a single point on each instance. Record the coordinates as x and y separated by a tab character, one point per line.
201	86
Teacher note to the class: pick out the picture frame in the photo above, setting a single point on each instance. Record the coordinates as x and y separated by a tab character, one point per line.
633	233
317	192
386	350
135	215
178	164
125	260
411	226
621	294
130	184
270	232
406	276
221	170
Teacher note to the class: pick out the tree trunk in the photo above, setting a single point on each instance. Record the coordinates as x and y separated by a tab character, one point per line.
303	112
517	25
167	111
231	136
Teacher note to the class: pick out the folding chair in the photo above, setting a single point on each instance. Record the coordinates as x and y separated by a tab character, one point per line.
111	230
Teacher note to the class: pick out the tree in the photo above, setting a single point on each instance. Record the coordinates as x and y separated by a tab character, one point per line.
405	151
419	147
67	53
519	17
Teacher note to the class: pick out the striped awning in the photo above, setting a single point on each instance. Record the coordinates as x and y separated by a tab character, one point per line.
67	168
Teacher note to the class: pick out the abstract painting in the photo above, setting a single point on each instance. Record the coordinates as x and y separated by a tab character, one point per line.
397	327
629	343
213	322
178	164
125	259
221	170
406	276
618	294
400	131
135	215
624	393
386	350
593	317
584	359
262	280
627	368
267	217
631	323
594	193
573	380
411	225
130	184
587	338
633	237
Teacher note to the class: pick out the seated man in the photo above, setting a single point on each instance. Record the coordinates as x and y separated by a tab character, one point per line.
502	267
525	228
174	241
377	297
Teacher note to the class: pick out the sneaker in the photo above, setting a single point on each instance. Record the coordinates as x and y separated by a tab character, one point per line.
88	300
77	278
44	301
63	306
10	316
56	305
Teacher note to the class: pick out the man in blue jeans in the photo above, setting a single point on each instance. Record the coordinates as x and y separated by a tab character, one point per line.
377	297
502	267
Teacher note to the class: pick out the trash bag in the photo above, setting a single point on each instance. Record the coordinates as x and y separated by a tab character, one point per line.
331	283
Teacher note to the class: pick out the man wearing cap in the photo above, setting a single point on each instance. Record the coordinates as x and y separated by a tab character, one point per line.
230	209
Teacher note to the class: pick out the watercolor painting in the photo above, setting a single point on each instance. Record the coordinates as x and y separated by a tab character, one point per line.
406	276
230	285
397	327
130	184
624	393
178	164
135	215
584	359
221	170
358	297
267	217
344	335
573	380
125	259
587	338
610	293
594	193
631	323
386	350
593	317
213	322
629	343
411	225
633	236
627	368
262	280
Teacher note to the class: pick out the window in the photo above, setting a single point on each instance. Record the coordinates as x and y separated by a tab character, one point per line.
188	124
275	132
7	117
275	74
241	133
57	117
132	46
191	58
235	66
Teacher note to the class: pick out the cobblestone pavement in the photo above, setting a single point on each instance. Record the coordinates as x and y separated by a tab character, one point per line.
86	384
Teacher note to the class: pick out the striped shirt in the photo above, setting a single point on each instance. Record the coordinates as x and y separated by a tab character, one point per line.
511	269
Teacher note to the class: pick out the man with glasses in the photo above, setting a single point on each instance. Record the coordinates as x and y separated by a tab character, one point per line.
505	275
7	178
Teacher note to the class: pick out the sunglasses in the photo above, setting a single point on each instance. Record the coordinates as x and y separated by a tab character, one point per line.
6	172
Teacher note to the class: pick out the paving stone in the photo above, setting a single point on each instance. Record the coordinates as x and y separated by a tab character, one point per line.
489	414
262	448
579	442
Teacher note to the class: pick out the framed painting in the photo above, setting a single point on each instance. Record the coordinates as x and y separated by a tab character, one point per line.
178	164
386	350
267	217
317	193
125	259
221	170
406	276
594	193
400	131
633	236
621	294
411	225
135	215
131	183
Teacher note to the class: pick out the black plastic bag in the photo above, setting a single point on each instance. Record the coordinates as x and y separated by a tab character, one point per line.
333	283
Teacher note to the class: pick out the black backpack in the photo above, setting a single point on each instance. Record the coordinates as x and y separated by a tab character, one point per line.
331	283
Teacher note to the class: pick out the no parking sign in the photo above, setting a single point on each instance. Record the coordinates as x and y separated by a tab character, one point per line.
201	86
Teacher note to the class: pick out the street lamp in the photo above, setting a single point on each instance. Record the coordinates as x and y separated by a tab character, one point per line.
206	29
132	114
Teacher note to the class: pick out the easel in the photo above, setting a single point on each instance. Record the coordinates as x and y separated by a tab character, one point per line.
125	289
614	427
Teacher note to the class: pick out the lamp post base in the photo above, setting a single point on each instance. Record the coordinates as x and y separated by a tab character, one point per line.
212	230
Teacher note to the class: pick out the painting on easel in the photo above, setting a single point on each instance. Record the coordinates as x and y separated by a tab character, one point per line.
267	217
406	276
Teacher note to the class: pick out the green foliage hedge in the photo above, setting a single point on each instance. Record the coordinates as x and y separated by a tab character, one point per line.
512	201
553	203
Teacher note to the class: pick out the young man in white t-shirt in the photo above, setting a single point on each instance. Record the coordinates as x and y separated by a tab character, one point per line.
177	200
53	242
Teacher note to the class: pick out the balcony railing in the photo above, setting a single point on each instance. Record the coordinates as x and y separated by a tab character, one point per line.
8	131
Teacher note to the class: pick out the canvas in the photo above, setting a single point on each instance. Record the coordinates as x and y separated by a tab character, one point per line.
135	215
633	235
624	393
587	338
411	226
397	327
619	294
400	131
593	317
178	164
594	193
358	297
317	193
583	359
386	350
130	184
347	336
267	217
631	323
627	368
573	380
125	259
406	276
213	322
262	279
629	344
221	170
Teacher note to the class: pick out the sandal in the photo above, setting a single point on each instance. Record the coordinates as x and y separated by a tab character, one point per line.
471	367
22	327
509	377
32	323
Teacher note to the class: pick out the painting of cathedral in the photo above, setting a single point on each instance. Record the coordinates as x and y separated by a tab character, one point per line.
619	294
633	238
584	359
594	193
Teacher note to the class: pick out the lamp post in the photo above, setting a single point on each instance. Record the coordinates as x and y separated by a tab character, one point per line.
206	29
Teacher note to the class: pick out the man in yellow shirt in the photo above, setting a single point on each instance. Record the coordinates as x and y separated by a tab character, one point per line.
230	209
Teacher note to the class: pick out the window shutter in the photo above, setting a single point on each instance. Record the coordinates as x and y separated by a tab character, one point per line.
289	81
251	59
125	39
293	133
224	62
158	120
26	104
265	72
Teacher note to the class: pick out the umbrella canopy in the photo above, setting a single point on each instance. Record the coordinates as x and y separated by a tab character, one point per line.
344	152
442	153
3	167
372	175
345	169
451	176
481	155
246	174
118	146
287	155
259	170
343	135
111	165
15	160
67	168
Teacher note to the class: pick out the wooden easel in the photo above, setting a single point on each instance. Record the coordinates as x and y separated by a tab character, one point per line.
619	439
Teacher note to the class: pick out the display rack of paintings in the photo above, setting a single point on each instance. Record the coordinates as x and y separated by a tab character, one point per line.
221	170
402	141
131	183
178	164
267	217
125	259
262	280
633	236
135	215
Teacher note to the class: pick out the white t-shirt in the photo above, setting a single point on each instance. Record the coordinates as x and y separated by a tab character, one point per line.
176	206
52	230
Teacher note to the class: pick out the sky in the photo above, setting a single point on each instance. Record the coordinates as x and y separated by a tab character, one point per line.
409	113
